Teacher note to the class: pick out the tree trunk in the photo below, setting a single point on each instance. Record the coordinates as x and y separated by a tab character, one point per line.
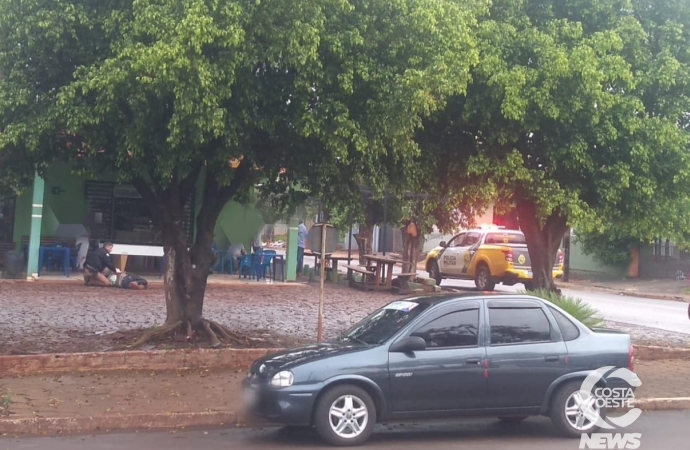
185	283
189	265
543	242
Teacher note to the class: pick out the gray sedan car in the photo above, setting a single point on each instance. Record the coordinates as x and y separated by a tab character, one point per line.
440	356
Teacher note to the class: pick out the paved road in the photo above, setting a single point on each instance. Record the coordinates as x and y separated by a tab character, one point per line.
659	430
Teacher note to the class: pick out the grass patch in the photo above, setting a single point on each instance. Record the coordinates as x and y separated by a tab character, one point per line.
574	306
5	404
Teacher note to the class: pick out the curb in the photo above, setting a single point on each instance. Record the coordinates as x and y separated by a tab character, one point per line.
226	358
663	404
654	353
59	425
231	358
74	425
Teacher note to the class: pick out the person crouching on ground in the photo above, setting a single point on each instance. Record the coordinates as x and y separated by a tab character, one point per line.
127	280
97	262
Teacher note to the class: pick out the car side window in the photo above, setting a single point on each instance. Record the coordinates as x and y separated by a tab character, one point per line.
569	330
459	240
456	329
519	326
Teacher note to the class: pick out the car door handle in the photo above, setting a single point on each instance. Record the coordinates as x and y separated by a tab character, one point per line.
552	358
474	361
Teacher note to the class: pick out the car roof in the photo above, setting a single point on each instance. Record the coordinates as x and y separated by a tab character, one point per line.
435	299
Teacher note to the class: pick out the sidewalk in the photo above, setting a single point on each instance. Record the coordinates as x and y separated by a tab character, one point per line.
667	289
200	391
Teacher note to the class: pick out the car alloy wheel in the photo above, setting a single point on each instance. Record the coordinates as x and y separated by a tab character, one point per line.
581	411
348	416
345	416
574	413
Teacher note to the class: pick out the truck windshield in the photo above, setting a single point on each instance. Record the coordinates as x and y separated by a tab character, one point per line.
383	323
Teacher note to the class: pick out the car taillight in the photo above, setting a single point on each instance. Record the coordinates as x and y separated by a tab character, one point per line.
509	255
631	358
561	257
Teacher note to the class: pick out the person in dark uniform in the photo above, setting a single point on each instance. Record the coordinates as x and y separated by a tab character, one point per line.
95	265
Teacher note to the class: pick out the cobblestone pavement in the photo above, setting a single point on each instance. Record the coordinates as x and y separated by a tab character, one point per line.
67	316
45	317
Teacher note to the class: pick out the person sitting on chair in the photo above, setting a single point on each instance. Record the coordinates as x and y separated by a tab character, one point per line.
127	280
95	265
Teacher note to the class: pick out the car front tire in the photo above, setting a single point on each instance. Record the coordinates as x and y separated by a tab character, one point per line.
566	415
345	416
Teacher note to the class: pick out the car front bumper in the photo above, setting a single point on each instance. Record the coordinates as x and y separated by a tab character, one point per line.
291	406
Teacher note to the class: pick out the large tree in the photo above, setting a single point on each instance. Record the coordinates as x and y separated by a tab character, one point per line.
172	94
576	116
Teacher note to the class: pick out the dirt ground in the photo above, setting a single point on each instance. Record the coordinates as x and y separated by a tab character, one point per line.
80	394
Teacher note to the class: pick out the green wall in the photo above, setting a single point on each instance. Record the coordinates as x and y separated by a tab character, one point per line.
237	223
581	262
64	203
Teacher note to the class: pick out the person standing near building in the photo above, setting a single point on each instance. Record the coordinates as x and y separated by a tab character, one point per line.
302	234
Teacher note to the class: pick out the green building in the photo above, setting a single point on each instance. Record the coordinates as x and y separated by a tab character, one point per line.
63	202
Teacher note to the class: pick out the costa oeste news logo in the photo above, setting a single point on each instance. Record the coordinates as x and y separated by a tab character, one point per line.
597	399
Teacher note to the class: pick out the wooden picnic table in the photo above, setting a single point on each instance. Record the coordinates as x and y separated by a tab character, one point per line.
383	271
333	258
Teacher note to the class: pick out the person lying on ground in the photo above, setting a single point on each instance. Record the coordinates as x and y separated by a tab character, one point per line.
97	262
126	280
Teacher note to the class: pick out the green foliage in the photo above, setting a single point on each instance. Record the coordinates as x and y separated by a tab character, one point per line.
576	307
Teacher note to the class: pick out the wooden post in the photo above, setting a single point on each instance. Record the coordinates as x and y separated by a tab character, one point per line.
319	332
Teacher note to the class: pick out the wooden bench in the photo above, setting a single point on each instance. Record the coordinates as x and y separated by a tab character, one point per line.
368	280
402	282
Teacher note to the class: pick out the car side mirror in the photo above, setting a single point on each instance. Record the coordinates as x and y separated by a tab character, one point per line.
443	244
409	344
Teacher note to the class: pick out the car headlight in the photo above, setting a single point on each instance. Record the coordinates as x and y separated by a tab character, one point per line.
283	379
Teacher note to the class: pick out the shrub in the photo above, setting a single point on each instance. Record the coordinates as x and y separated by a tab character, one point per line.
576	307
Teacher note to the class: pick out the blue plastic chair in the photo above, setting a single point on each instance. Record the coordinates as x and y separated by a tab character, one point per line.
266	261
246	269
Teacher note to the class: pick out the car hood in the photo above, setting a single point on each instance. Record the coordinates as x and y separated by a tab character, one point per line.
286	359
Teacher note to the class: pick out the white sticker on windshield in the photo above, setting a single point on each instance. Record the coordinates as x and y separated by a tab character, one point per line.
402	306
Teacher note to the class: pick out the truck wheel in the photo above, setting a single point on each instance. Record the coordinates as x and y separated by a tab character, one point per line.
435	273
483	279
529	286
345	416
570	415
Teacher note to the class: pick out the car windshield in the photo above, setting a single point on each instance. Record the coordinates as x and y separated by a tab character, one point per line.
382	324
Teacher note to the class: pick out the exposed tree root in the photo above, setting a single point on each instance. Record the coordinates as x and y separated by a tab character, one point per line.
227	334
208	329
166	329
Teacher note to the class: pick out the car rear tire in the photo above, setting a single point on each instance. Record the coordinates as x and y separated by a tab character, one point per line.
435	273
345	416
566	415
483	279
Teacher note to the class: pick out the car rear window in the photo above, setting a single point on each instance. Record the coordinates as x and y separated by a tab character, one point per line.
569	330
506	238
519	326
